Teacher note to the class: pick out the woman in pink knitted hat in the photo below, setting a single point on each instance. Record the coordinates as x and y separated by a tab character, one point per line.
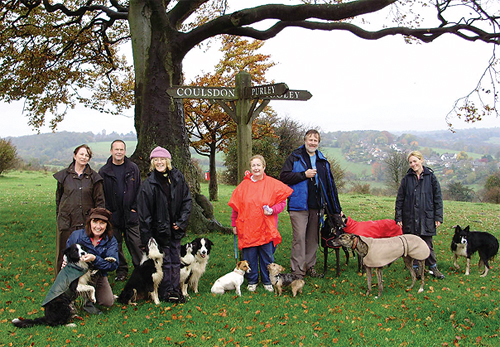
164	206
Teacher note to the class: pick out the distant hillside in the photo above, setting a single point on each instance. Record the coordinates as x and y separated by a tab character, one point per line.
467	156
56	149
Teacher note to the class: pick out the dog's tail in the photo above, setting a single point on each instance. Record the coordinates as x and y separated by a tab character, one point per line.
28	323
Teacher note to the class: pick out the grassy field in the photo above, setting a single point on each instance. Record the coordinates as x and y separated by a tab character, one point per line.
457	311
359	169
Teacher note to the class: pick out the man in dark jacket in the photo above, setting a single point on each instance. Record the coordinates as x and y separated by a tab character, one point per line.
122	182
308	173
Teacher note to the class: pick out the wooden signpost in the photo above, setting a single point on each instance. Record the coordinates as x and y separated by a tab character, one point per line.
242	105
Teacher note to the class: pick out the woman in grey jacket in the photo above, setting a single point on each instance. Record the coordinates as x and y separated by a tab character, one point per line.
419	205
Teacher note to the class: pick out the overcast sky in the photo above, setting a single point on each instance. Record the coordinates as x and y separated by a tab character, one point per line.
356	84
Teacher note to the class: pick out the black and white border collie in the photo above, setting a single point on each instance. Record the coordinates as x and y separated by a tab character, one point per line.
145	278
465	243
195	263
58	310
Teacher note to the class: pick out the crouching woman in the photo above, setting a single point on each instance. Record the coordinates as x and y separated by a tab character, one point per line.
98	238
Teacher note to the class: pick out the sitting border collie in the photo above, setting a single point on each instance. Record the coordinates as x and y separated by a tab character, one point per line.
145	278
465	243
191	274
63	291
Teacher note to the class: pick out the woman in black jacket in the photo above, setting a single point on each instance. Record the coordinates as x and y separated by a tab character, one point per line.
419	205
164	206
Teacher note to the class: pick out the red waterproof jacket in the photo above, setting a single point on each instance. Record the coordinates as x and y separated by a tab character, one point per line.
253	226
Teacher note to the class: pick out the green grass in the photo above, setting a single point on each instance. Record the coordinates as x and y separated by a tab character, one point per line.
359	169
457	311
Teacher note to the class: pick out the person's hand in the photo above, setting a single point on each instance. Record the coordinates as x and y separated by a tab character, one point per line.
235	231
268	211
400	224
438	224
310	173
88	258
64	263
175	226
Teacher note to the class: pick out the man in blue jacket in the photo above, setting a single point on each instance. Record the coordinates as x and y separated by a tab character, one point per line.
308	173
122	181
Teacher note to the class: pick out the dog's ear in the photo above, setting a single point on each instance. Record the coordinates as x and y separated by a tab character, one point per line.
281	268
466	229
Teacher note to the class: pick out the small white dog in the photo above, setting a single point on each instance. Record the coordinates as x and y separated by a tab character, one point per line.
232	280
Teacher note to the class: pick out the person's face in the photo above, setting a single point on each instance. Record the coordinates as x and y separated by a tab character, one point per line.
311	143
415	164
257	168
160	164
118	152
82	157
98	227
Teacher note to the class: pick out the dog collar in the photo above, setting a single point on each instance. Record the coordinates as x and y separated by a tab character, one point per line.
355	243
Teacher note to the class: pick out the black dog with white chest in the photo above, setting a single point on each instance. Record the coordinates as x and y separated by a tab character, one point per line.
145	278
465	243
63	291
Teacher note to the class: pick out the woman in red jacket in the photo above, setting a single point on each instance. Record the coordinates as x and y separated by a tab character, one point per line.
256	203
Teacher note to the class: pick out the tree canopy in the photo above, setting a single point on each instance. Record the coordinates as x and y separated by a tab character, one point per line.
53	52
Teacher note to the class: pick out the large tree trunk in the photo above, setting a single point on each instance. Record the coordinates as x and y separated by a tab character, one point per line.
159	119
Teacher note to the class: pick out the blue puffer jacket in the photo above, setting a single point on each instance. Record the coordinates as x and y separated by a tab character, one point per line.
293	174
106	248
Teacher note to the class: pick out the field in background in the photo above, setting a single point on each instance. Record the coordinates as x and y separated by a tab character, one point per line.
457	311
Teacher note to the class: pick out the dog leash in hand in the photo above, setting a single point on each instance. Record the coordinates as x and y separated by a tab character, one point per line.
235	247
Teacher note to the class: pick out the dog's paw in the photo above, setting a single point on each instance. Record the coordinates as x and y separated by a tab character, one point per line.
110	259
71	325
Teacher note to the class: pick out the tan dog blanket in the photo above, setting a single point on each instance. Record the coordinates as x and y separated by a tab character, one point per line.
384	251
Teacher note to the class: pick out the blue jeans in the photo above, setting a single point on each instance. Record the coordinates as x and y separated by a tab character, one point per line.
259	255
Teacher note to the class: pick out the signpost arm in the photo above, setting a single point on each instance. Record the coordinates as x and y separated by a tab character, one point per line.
259	109
230	111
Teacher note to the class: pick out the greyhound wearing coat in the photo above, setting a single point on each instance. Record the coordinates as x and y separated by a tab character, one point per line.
377	253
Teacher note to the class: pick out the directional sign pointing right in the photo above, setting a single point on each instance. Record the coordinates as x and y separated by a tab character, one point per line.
301	95
260	92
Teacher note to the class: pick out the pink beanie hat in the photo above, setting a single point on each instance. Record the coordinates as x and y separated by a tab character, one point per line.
160	152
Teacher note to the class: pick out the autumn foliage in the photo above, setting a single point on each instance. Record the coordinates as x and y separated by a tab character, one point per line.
209	127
